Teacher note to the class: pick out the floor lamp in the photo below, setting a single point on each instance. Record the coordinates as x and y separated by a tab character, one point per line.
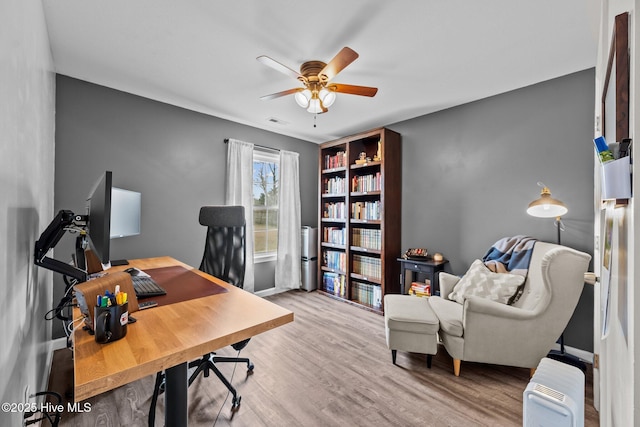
548	207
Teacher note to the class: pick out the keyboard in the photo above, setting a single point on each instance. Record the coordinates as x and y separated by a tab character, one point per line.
146	287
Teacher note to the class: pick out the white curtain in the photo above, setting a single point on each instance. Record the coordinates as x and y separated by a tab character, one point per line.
239	191
289	223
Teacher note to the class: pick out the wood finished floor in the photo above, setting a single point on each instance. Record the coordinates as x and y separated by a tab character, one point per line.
330	367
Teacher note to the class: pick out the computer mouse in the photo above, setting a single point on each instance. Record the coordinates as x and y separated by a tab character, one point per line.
132	271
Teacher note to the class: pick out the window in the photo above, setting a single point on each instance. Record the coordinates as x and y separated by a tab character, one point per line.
265	204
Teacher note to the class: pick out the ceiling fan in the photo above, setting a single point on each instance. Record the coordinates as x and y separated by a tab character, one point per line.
319	92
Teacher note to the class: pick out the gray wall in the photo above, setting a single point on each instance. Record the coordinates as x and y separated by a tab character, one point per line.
174	157
469	173
27	95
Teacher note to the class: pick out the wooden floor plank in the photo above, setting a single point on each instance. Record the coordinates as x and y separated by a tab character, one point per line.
330	367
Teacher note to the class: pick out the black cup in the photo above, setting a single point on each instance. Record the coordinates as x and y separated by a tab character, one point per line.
110	323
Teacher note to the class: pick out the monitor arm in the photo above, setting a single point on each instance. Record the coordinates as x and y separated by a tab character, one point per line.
50	238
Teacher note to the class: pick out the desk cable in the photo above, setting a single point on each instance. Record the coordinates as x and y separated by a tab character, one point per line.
65	302
45	415
235	365
70	329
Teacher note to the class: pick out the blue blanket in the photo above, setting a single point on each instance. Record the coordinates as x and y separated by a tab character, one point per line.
510	255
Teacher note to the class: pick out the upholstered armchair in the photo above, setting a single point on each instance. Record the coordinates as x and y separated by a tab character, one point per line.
486	331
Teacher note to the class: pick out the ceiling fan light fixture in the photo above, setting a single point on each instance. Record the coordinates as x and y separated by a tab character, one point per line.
315	106
327	96
303	97
319	91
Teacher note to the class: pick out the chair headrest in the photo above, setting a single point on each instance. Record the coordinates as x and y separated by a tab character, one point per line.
222	216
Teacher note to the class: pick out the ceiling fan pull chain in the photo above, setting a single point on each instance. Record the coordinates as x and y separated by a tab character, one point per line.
314	119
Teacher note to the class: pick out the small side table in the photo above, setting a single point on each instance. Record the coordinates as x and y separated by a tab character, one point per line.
428	266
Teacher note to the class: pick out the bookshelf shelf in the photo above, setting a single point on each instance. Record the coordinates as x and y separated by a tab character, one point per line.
333	170
365	193
367	250
343	220
366	278
332	270
365	165
333	245
365	221
369	237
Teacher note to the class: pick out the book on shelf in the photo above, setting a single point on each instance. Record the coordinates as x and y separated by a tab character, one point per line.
421	289
335	260
367	266
337	160
367	238
365	183
334	283
367	293
366	210
335	185
335	235
334	210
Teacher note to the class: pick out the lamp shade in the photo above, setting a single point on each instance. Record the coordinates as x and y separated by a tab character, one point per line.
546	206
314	106
303	97
327	97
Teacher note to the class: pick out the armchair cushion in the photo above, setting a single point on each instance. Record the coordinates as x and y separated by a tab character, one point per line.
450	315
482	282
447	282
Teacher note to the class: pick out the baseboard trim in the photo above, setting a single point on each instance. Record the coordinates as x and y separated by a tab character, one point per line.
583	355
270	291
58	344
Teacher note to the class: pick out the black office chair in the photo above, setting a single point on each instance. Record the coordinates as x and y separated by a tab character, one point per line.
224	257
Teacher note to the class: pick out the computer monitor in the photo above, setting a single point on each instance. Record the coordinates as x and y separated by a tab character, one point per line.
111	212
125	213
99	217
96	224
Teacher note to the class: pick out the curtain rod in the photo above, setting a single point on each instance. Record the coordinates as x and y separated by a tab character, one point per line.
257	145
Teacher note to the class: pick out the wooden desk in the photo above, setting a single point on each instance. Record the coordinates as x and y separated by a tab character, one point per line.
168	337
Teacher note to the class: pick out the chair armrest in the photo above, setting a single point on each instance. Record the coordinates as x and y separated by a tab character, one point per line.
488	307
447	281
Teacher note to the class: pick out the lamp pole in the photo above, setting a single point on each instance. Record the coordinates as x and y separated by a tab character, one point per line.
548	207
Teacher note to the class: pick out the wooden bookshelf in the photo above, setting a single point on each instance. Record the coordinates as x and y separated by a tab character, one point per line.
360	215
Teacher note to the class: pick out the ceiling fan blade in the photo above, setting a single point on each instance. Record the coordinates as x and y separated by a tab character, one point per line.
279	94
279	67
345	57
354	90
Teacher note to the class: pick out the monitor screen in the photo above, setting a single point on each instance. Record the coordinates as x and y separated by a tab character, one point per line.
125	213
99	224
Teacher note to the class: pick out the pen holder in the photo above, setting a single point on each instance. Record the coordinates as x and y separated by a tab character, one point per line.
110	323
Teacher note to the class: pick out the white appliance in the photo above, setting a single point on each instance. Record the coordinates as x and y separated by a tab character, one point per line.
309	252
309	247
554	396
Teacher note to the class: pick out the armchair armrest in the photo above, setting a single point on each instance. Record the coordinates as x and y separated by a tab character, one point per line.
488	307
447	281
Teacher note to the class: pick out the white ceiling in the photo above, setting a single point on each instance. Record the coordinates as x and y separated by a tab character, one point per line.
424	56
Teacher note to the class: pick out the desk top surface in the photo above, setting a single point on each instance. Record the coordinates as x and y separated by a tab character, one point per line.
166	336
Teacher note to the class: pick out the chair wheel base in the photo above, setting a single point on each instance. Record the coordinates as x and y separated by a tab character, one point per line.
235	403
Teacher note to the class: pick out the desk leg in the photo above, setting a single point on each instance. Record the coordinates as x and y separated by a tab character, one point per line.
175	409
402	281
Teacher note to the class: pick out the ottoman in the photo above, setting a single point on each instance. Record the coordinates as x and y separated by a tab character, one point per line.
410	325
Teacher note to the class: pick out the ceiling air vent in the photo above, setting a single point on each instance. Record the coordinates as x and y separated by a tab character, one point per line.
276	121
